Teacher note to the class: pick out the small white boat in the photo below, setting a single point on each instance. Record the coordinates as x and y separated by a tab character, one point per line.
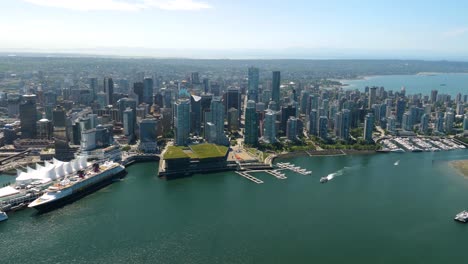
3	216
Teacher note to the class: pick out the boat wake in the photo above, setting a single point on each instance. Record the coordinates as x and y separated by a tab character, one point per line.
338	173
396	163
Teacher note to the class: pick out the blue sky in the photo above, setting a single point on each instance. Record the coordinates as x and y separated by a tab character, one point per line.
386	27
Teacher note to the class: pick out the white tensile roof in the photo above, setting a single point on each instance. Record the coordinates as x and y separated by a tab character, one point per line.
50	171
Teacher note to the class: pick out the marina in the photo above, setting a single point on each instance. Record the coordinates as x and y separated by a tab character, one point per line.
419	144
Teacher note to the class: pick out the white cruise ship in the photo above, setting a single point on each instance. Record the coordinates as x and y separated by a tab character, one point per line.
76	185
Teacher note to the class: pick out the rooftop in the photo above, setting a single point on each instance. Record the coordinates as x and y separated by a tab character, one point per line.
200	151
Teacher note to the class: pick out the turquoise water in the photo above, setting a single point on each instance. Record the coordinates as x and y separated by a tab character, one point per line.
371	212
454	83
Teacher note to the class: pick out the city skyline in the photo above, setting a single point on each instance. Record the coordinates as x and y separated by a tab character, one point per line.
220	29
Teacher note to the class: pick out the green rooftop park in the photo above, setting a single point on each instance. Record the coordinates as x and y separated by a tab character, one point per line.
200	151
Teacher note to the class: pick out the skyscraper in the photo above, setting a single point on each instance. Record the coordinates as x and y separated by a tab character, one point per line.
269	127
195	114
182	122
286	112
372	96
323	127
465	123
148	91
291	129
400	110
216	117
368	127
93	86
424	123
251	124
233	98
28	116
129	121
434	96
313	119
109	90
275	88
252	87
449	119
233	119
148	135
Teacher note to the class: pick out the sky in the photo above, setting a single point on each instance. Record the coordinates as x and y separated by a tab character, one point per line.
249	28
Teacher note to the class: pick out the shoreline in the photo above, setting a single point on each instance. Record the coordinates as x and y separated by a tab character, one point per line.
324	153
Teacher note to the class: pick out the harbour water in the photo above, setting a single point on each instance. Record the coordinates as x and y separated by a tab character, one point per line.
448	83
371	211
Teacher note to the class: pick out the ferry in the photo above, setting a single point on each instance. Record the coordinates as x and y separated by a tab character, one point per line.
76	186
462	217
3	216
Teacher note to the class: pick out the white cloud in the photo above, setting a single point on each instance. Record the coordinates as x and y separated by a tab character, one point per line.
122	5
456	32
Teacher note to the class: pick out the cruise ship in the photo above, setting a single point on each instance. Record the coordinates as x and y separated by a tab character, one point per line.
75	186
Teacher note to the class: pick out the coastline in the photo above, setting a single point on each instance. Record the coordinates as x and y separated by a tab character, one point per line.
324	153
461	166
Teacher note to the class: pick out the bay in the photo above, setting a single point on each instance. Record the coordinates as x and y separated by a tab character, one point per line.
371	212
447	83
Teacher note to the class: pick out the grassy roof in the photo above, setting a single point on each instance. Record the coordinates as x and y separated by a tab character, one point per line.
174	152
204	151
200	151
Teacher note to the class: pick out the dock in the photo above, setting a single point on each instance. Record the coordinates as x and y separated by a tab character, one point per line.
276	173
294	168
249	177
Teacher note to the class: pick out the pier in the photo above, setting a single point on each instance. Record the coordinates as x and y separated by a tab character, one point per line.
292	167
249	177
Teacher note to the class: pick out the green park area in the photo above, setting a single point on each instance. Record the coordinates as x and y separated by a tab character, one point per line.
200	151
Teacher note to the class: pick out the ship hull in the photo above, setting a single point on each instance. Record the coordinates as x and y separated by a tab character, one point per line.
78	194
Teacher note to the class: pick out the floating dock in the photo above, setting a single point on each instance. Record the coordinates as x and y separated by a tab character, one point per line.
294	168
249	177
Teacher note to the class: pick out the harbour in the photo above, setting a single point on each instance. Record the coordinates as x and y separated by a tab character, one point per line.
132	231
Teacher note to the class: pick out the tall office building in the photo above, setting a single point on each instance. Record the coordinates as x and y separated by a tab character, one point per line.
109	90
206	85
269	127
434	96
286	112
424	123
251	124
129	121
28	116
406	122
291	128
372	97
439	122
233	98
233	120
182	122
323	127
313	119
138	90
252	87
195	114
148	135
304	101
275	88
368	127
400	110
195	78
449	119
215	118
93	86
148	91
123	104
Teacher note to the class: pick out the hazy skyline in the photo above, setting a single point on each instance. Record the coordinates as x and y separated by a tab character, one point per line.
249	29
